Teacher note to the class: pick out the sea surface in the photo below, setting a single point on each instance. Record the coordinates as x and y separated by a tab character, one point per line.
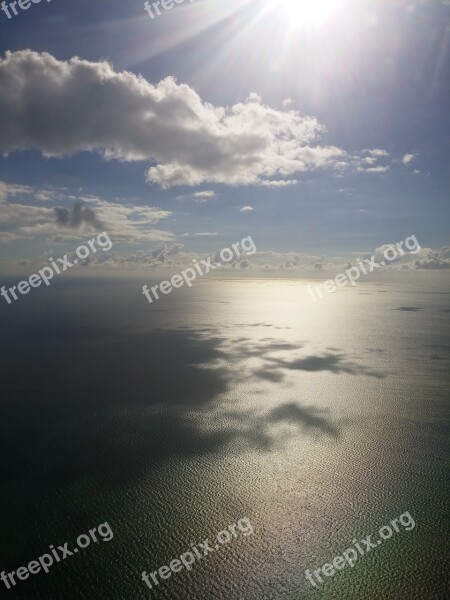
318	422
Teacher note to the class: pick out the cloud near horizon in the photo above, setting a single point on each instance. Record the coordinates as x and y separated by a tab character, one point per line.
88	214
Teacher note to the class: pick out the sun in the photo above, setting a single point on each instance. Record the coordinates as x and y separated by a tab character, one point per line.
307	13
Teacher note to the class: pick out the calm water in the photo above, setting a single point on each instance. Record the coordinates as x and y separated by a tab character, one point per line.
319	422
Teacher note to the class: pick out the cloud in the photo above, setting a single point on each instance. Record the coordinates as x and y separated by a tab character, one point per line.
130	223
6	237
20	215
378	152
379	169
429	259
245	209
204	195
165	256
369	160
198	196
77	217
278	183
125	222
7	190
45	195
174	256
407	158
432	264
203	234
190	140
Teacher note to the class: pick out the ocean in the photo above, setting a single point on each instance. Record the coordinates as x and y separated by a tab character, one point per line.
237	399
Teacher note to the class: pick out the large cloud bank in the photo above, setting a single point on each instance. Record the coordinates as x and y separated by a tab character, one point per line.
63	107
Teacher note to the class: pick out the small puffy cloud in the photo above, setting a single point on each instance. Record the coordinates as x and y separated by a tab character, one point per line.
253	97
287	102
45	195
407	158
245	209
204	195
369	160
417	172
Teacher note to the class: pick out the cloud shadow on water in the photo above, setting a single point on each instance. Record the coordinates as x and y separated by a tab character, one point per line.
109	406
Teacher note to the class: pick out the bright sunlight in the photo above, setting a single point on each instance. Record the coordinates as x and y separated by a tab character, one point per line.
307	13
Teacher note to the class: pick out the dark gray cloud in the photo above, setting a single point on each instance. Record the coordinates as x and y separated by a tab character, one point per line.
78	216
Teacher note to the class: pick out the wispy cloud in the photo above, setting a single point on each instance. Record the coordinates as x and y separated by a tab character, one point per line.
204	195
379	152
201	234
8	190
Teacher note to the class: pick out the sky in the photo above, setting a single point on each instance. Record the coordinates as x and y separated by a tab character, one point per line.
319	129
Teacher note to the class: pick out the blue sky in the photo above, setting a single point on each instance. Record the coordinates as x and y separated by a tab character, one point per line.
333	134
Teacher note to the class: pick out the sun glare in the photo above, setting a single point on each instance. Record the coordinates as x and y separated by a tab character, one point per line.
307	13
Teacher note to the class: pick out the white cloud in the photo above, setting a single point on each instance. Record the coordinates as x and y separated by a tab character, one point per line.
369	160
202	234
417	172
190	140
205	195
407	158
433	260
245	209
45	195
131	223
378	169
376	152
278	183
20	215
7	190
